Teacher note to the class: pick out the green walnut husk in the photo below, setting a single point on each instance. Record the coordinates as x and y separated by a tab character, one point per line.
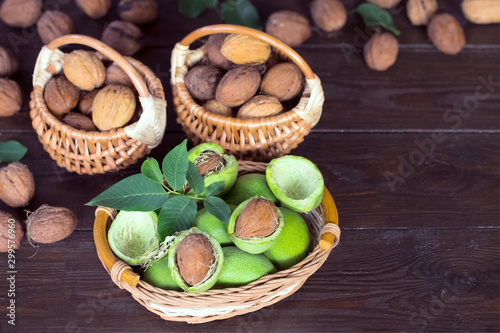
248	186
253	245
215	268
133	236
296	182
213	226
159	275
226	174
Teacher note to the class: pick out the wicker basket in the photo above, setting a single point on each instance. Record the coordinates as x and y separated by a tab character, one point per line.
219	304
257	139
97	152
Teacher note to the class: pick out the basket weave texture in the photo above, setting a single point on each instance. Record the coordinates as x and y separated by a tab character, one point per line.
257	139
97	152
217	304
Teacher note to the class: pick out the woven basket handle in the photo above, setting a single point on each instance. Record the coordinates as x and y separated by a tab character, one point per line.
150	127
330	234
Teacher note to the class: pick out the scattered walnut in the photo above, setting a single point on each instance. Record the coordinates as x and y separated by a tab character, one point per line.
7	222
113	107
284	81
446	34
381	51
85	105
79	121
10	98
213	46
94	8
60	96
420	11
385	3
50	224
17	186
8	63
289	27
202	81
481	11
20	13
124	37
116	75
138	11
84	70
53	24
328	15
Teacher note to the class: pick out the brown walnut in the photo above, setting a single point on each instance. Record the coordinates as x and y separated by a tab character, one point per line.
284	81
289	27
446	34
138	11
381	51
79	121
202	81
328	15
260	106
85	105
113	107
420	11
20	13
481	11
84	70
209	161
10	240
53	24
60	96
116	75
258	219
238	85
8	63
217	107
214	54
50	224
195	256
10	98
17	186
94	8
241	49
385	3
124	37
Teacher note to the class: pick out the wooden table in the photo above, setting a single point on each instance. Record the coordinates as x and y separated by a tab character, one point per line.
419	252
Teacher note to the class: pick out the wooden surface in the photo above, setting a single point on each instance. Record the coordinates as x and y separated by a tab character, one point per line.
420	255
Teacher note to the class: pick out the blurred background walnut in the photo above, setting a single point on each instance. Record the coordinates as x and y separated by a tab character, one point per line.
446	34
8	63
20	13
84	70
328	15
381	51
124	37
385	3
60	96
138	11
53	24
94	8
420	11
289	27
10	98
17	186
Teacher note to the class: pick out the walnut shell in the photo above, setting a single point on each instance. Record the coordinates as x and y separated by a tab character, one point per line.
328	15
260	106
289	27
241	49
381	51
15	237
20	13
238	85
85	105
481	11
10	98
213	47
8	63
420	11
113	107
17	186
138	11
194	257
284	81
94	8
446	34
258	219
84	70
217	107
53	24
50	224
202	81
116	75
79	121
385	3
60	96
124	37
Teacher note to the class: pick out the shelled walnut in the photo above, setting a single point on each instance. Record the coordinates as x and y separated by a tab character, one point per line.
53	24
10	97
60	96
84	70
20	13
138	11
124	37
113	107
8	63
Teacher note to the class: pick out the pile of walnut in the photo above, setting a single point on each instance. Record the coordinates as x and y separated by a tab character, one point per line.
242	77
92	96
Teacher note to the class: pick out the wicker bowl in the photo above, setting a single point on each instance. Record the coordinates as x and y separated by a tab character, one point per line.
257	139
97	152
216	304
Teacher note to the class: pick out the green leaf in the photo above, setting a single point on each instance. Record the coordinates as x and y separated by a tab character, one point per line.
374	15
240	12
175	166
194	179
151	169
217	207
134	193
11	151
177	214
214	188
193	8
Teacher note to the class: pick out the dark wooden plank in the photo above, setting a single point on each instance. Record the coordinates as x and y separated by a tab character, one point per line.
426	279
456	185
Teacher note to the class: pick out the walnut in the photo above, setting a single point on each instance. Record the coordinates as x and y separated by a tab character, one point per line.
260	106
328	15
138	11
116	75
381	51
10	98
202	81
8	63
238	85
481	11
94	8
124	37
289	27
84	70
113	107
60	96
85	105
213	47
53	24
446	34
79	121
50	224
17	186
241	49
420	11
7	222
20	13
385	3
217	107
284	81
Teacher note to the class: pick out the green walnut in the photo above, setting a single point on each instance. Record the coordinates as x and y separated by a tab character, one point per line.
213	226
196	260
296	182
248	186
255	225
159	275
214	165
